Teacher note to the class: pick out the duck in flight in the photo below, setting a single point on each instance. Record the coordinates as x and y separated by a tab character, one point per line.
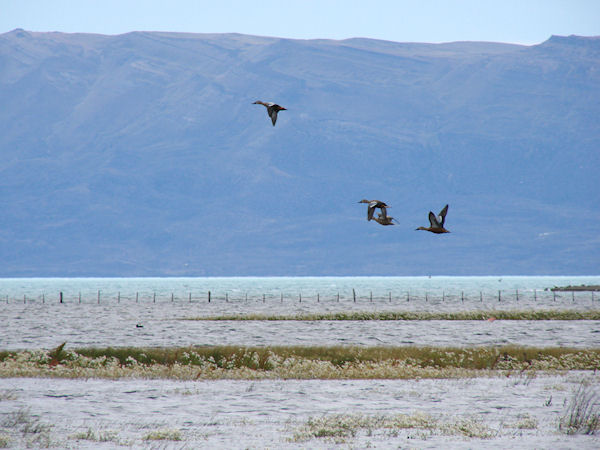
384	219
272	109
436	222
374	204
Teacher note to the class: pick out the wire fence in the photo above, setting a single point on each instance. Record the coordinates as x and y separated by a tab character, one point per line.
499	296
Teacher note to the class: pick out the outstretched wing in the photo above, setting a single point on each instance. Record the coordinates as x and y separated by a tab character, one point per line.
273	114
383	212
441	218
433	221
370	211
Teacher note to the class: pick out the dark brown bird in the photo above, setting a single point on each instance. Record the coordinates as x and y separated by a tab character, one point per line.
374	204
436	222
272	109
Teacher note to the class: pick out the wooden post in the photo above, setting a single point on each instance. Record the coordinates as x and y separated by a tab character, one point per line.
154	298
300	297
43	298
480	296
98	296
354	295
172	297
426	299
61	297
24	298
80	297
226	297
281	297
119	297
517	295
390	296
318	298
246	296
407	296
443	296
462	296
263	298
190	297
535	295
136	296
208	296
338	297
499	297
371	296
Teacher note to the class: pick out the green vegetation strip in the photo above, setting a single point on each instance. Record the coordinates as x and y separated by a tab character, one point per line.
231	362
549	314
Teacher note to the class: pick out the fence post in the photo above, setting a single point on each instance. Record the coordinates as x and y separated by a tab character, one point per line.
535	295
407	296
390	296
172	297
137	296
154	298
281	297
426	298
79	297
517	295
190	297
318	298
338	297
119	297
300	297
462	296
499	296
208	296
443	296
354	295
98	296
24	299
60	297
480	296
226	297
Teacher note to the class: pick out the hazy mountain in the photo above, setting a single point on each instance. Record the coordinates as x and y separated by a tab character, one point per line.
142	154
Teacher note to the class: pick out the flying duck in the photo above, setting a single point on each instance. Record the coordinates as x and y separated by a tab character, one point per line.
384	219
272	109
437	222
373	204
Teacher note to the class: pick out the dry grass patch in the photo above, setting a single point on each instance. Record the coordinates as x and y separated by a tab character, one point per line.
282	362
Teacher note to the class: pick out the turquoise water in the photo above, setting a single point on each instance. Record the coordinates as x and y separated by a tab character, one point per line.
305	288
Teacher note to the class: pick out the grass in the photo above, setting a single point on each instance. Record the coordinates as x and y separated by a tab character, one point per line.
163	435
583	412
340	428
282	362
549	314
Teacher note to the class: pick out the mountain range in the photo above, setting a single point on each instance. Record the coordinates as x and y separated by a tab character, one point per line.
142	154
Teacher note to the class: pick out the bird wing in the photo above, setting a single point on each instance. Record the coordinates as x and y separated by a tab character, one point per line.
433	220
442	215
383	212
370	211
272	112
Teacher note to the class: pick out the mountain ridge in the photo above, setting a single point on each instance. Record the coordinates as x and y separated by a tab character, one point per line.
142	154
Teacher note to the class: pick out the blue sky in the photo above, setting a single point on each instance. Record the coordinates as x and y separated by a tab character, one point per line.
517	21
